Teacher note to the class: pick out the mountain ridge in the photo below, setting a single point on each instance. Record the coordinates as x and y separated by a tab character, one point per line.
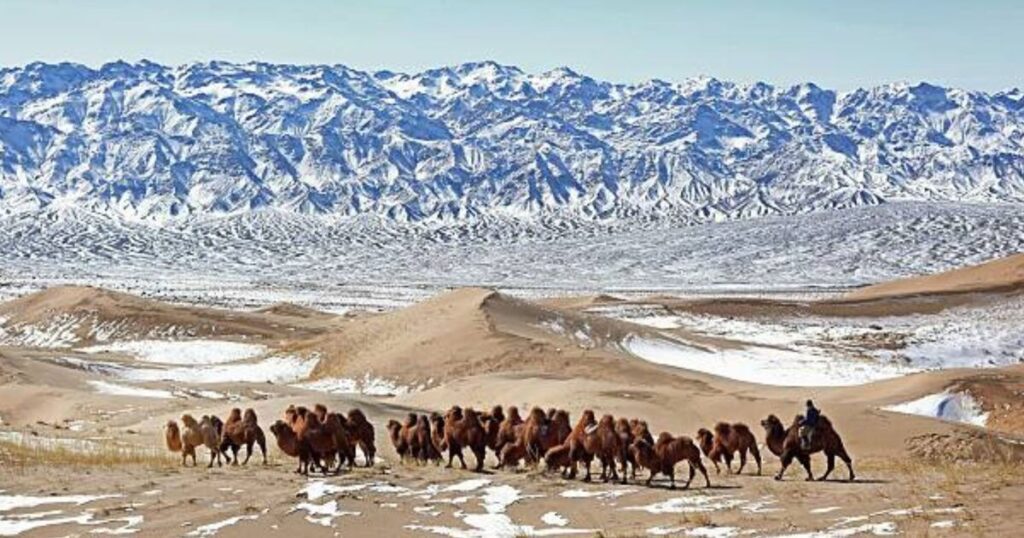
155	143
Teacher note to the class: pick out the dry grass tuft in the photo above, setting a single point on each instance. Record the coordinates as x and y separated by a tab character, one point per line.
15	455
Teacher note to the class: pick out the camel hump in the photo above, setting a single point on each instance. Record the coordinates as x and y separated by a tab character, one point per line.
723	429
741	429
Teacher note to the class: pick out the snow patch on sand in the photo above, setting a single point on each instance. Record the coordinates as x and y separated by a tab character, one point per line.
213	528
368	385
114	389
183	352
946	405
762	365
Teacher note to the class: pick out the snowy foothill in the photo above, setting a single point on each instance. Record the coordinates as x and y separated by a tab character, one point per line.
114	389
947	405
182	352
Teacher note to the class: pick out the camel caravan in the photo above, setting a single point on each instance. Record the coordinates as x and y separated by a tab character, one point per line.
327	441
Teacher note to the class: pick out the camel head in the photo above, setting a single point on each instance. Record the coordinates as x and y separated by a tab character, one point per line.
772	424
281	430
513	414
172	426
411	419
497	413
394	427
455	413
705	439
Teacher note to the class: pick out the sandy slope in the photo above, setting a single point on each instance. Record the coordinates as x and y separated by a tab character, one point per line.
1001	275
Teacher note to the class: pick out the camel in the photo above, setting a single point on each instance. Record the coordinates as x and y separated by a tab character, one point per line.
727	440
665	453
601	442
559	458
624	430
507	429
437	433
403	437
243	430
321	411
289	443
541	433
425	441
195	435
786	444
172	436
322	442
361	433
337	426
492	425
462	428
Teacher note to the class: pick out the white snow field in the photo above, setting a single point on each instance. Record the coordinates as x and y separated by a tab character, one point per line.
946	405
769	366
182	352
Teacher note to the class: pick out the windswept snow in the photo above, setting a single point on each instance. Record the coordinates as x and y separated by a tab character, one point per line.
276	369
946	405
770	366
104	387
183	352
372	386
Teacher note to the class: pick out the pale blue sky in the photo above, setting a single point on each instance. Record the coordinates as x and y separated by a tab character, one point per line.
973	44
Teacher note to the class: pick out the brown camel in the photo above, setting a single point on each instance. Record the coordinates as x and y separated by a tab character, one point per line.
462	428
506	430
663	456
492	426
243	431
727	440
361	433
195	435
425	441
601	442
437	433
624	430
289	443
172	436
322	443
397	439
559	458
786	444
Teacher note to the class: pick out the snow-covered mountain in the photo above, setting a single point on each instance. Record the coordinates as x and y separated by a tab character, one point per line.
155	143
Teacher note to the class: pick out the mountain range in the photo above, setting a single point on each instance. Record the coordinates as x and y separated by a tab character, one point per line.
162	144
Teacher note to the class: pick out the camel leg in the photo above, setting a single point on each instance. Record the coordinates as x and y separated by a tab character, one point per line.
234	452
846	459
714	459
615	473
587	478
743	460
649	478
689	479
786	460
728	461
830	463
672	478
757	458
212	457
805	460
248	451
703	471
480	455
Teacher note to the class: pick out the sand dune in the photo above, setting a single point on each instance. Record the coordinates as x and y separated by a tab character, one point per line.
80	315
1002	275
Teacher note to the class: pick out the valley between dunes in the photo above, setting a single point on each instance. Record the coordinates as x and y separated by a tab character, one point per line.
922	378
